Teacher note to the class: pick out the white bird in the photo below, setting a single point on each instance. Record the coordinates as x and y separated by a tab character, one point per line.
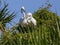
27	18
24	18
30	19
23	11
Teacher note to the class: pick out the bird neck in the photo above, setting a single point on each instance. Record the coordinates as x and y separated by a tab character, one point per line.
24	14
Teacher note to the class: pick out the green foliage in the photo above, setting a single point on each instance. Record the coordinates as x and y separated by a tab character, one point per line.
44	16
25	28
5	17
49	23
47	31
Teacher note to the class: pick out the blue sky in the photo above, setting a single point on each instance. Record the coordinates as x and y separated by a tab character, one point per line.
30	5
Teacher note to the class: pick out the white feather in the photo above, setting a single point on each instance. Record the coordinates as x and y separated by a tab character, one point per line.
27	18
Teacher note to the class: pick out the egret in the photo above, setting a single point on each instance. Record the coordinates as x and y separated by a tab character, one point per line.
23	11
24	18
27	18
30	19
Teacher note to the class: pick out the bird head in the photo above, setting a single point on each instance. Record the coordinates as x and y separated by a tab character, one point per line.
29	14
22	9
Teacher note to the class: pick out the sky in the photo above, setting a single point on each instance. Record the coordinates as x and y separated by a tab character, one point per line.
30	6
